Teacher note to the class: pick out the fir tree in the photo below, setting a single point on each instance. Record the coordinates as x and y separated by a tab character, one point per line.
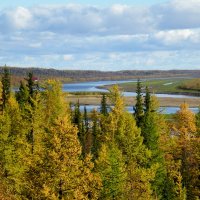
6	84
22	95
103	108
147	100
138	109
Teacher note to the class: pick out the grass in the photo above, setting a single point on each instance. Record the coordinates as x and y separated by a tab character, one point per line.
165	86
130	101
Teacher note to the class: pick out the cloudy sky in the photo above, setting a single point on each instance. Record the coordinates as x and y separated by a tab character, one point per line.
100	35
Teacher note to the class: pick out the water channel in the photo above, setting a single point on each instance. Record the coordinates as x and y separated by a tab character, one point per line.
92	87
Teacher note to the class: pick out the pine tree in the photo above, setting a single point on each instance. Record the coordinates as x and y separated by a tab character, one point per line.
6	83
103	108
138	109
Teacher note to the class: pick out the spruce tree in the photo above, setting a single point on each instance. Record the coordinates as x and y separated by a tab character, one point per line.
151	131
147	100
103	108
22	95
6	85
138	108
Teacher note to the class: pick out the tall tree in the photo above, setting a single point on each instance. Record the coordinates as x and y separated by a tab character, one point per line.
71	178
111	168
22	95
6	84
121	128
151	131
138	109
186	149
103	107
147	100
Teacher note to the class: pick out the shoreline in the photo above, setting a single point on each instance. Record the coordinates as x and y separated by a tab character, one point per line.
130	101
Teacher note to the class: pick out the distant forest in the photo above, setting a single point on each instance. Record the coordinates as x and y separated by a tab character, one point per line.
92	75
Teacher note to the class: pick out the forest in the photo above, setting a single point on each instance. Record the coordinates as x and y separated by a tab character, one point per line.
65	76
51	150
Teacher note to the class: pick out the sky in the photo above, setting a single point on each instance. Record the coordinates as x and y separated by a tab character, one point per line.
100	35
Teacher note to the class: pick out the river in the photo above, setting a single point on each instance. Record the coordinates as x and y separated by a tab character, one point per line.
92	87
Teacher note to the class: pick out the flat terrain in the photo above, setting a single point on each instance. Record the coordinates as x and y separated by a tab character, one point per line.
164	86
165	102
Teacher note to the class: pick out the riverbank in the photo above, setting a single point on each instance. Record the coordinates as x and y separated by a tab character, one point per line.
161	86
129	101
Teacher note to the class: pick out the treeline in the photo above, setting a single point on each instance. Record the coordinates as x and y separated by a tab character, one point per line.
91	75
193	85
50	151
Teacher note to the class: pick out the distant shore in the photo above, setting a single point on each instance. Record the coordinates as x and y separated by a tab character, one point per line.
129	101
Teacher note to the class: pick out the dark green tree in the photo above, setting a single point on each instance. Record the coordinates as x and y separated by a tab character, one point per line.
22	95
95	134
147	100
6	85
138	109
86	121
33	87
103	108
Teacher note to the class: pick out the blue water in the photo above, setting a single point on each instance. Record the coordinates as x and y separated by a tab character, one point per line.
163	110
92	87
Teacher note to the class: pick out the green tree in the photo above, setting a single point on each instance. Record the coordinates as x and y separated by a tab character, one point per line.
111	167
121	128
96	134
138	109
103	108
6	85
147	100
151	131
22	95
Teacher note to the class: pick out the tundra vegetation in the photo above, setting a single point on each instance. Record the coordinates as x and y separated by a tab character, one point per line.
50	151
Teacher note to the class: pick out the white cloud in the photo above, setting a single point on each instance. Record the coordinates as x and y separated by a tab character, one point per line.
68	57
20	18
119	36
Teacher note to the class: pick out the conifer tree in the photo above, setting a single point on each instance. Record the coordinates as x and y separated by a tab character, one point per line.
121	128
111	168
6	84
1	97
22	95
151	131
70	177
186	149
147	100
103	108
96	135
138	109
86	122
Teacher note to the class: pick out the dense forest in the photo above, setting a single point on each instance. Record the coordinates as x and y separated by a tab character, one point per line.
49	149
89	75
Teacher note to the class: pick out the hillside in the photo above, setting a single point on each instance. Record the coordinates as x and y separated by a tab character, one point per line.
90	75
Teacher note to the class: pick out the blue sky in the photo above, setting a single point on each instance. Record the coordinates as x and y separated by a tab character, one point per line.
12	3
100	35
